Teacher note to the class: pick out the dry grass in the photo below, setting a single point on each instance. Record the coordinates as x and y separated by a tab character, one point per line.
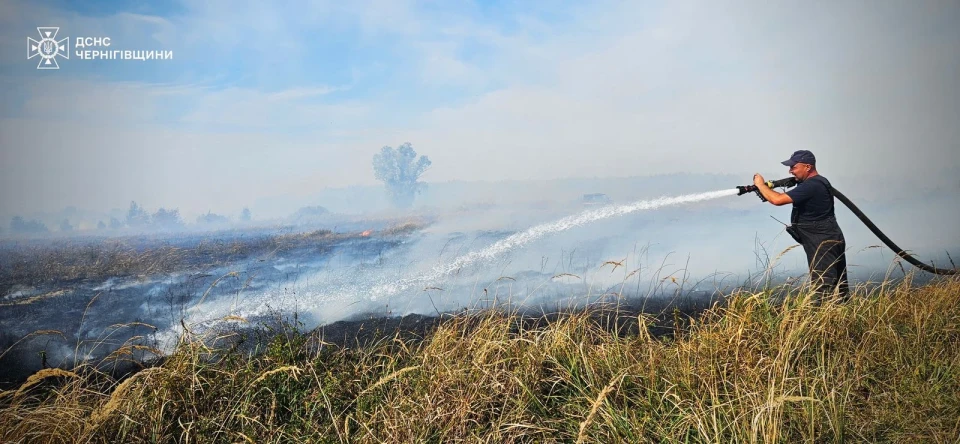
883	367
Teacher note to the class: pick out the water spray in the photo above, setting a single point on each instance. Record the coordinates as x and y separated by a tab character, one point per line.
524	237
791	181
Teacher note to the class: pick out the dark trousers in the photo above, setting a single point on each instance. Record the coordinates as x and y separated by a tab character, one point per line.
826	256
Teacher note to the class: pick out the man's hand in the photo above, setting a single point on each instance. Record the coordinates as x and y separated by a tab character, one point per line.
769	194
757	179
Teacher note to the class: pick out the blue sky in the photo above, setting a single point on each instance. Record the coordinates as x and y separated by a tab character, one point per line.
287	98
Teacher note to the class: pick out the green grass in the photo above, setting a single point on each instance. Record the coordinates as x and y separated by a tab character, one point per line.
883	367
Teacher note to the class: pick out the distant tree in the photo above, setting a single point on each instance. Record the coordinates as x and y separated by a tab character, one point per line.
18	225
101	225
400	169
167	219
137	216
65	225
115	224
211	218
245	215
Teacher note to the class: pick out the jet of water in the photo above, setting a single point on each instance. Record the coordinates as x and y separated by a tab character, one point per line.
522	238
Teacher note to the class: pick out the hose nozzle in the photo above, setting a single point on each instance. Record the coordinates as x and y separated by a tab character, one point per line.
786	182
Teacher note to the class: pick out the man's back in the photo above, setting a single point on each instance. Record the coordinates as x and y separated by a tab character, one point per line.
812	200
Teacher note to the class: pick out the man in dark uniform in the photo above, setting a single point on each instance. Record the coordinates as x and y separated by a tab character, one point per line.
813	223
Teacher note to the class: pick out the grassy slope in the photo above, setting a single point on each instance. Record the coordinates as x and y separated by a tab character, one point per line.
883	367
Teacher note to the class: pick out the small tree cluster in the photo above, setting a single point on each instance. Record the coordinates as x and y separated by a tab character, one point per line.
212	219
21	226
167	219
137	216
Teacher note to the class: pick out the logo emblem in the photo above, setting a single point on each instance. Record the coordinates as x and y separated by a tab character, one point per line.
48	48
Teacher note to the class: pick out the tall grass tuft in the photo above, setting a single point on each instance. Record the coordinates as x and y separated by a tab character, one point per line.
882	367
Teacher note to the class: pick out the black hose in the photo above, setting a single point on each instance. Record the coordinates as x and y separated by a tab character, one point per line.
886	240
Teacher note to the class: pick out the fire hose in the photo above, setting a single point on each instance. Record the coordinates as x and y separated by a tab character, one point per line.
790	181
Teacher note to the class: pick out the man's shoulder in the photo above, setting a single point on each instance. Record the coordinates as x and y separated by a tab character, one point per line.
819	177
812	186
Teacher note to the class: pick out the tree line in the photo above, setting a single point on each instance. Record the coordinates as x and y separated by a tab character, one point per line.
137	217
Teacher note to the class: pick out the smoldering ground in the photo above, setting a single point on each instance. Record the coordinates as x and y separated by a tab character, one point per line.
533	259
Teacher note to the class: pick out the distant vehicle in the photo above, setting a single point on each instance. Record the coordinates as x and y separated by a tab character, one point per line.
596	199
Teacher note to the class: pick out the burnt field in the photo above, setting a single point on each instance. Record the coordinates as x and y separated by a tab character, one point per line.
71	300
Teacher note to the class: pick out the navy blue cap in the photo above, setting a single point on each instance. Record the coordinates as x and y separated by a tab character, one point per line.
801	156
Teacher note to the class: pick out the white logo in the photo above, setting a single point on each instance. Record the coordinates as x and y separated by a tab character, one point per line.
48	48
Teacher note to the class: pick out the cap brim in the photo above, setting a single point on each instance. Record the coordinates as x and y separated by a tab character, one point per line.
789	163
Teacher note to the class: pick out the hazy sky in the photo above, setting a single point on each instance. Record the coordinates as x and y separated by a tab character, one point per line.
281	98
